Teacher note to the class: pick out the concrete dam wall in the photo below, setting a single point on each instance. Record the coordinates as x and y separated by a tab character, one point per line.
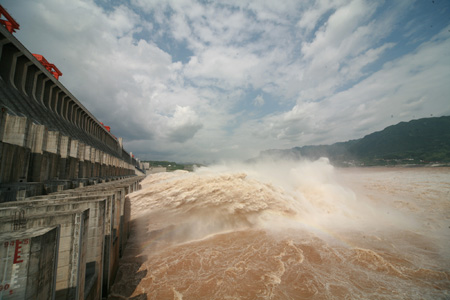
64	180
48	140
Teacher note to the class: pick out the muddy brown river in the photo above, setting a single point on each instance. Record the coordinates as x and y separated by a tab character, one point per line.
283	230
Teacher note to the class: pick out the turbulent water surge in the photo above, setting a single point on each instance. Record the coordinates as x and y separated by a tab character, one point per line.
284	230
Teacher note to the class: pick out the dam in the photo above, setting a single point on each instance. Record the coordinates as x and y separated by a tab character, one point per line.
64	180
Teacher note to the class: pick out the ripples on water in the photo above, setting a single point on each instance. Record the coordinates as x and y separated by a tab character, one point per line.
289	231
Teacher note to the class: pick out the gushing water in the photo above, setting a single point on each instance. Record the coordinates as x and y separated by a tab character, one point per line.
285	230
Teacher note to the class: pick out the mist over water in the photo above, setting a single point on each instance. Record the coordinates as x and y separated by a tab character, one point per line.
289	230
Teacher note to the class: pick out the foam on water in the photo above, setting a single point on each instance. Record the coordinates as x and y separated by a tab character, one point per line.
288	230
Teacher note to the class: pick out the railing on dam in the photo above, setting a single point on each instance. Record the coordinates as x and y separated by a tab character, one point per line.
48	140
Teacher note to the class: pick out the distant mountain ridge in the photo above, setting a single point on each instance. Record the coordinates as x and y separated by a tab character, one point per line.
420	141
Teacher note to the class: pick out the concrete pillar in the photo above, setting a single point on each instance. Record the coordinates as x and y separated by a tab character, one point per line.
37	85
87	162
69	110
6	60
27	78
73	159
53	142
37	138
17	74
15	130
12	72
52	147
38	169
3	42
53	99
98	163
76	112
60	103
42	89
15	156
65	146
73	152
49	89
64	161
80	158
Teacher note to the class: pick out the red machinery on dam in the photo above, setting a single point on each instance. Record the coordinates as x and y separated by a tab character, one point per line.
50	67
64	213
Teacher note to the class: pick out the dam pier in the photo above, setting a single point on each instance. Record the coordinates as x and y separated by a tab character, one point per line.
64	180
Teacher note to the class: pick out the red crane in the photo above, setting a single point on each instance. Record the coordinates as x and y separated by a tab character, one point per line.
109	129
50	67
10	24
106	127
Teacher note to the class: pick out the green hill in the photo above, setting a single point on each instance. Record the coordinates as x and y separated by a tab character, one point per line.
419	141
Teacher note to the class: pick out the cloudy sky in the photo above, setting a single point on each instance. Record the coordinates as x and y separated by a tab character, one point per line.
204	81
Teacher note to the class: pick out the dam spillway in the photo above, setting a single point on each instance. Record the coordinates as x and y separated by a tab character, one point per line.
64	180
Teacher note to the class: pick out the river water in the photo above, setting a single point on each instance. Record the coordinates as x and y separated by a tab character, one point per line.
284	230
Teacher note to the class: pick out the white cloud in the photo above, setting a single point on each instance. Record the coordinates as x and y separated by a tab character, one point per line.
342	47
258	101
183	125
223	67
310	17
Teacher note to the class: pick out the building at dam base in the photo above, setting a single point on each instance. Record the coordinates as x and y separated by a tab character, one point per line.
64	213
